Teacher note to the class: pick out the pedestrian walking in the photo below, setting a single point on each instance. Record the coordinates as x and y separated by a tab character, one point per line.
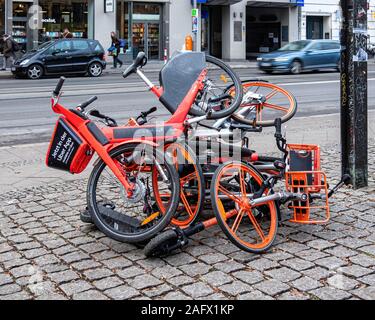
10	47
66	34
114	50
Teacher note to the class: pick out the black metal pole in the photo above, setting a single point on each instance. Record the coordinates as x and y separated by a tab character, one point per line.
354	140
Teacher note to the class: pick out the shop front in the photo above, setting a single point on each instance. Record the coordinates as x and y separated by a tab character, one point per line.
52	18
141	25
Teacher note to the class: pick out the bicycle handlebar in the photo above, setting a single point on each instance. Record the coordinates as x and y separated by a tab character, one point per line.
83	105
59	85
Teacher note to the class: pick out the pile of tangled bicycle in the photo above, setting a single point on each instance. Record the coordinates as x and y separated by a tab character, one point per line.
150	182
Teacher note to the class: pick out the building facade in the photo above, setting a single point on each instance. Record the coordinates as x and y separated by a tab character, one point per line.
230	29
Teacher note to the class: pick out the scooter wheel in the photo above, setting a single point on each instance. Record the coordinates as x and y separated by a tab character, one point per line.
161	244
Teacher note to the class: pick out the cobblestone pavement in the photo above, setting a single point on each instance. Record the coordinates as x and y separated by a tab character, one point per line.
46	252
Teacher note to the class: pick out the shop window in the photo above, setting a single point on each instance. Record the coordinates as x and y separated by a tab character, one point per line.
60	15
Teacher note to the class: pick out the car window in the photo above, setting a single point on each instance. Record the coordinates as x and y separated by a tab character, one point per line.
316	46
62	46
330	46
95	46
295	46
80	45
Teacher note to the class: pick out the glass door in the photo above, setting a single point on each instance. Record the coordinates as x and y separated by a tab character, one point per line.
153	41
146	38
139	36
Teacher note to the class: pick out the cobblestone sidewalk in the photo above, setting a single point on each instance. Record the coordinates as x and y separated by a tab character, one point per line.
46	252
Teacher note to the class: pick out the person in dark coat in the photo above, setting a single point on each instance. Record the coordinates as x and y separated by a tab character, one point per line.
116	51
66	34
8	51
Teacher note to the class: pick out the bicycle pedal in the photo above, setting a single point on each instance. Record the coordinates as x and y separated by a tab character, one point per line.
85	216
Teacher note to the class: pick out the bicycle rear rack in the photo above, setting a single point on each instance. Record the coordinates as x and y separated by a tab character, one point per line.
304	176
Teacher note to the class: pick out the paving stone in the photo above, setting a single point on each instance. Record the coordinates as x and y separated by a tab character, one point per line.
305	284
166	272
180	259
5	279
96	274
42	288
10	255
329	293
320	244
272	287
254	295
9	289
86	264
144	281
311	254
279	256
90	295
243	257
215	296
108	282
262	264
212	258
180	280
73	287
21	295
157	291
93	247
370	279
197	289
229	266
369	250
250	277
363	260
63	276
25	270
74	257
176	295
353	243
283	274
46	259
151	263
293	295
355	271
317	273
367	293
34	253
342	282
51	297
297	264
130	272
331	263
117	263
196	269
341	252
122	293
216	278
235	288
292	247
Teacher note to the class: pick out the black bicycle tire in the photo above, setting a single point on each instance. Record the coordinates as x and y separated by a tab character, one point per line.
152	249
236	83
149	233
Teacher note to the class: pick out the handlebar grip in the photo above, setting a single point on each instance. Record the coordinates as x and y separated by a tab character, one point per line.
146	113
88	102
59	85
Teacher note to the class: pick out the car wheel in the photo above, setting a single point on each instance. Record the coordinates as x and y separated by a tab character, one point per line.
95	69
34	72
296	67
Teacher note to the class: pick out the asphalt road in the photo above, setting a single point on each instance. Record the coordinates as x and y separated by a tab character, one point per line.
26	115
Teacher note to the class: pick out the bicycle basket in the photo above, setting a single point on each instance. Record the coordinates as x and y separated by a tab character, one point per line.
67	150
304	176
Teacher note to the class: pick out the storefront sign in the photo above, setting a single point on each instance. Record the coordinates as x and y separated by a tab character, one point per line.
109	6
195	13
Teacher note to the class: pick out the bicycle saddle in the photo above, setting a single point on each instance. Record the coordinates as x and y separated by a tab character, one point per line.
140	61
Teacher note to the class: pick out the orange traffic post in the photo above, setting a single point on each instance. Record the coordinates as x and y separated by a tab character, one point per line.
189	43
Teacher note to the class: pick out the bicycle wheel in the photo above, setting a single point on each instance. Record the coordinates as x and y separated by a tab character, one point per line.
134	218
251	228
214	96
191	185
263	102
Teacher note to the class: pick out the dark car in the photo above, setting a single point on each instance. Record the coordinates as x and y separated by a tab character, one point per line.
302	55
64	56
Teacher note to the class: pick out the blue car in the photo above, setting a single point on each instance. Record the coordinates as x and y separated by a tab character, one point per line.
301	55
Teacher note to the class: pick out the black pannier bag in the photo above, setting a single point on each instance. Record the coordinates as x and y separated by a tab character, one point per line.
67	150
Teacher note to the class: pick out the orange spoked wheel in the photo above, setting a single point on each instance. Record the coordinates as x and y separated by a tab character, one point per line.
263	102
251	228
191	185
